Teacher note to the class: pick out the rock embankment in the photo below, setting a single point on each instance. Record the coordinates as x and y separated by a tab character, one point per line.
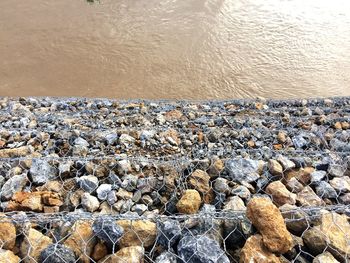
236	181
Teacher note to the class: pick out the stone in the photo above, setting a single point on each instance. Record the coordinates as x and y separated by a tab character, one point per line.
216	168
166	257
266	217
281	137
137	233
123	194
221	185
132	254
57	253
242	192
14	184
139	208
240	169
325	190
341	184
274	167
234	203
123	167
294	185
317	176
254	250
103	191
64	169
147	185
325	257
42	171
303	174
345	199
8	256
129	182
89	202
7	233
169	232
307	197
297	222
299	141
200	249
336	170
285	162
280	194
96	170
100	251
189	202
79	150
111	138
200	181
81	142
31	201
33	244
88	183
81	240
126	140
107	230
22	151
112	198
315	240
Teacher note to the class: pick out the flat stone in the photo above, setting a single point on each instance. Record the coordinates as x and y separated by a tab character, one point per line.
254	250
22	151
266	217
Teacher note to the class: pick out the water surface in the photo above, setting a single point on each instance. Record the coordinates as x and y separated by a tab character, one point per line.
192	49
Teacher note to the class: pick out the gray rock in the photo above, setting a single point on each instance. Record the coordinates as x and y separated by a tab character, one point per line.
123	167
126	139
114	180
201	249
111	138
325	190
299	141
88	183
241	191
129	182
285	162
139	208
79	150
126	207
317	176
146	135
169	232
81	142
41	172
147	184
107	230
336	170
14	184
345	199
103	191
341	184
112	198
64	168
57	253
221	185
166	257
241	169
90	203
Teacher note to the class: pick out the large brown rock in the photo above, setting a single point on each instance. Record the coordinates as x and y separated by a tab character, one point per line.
189	202
8	256
82	240
254	250
274	167
15	152
132	254
200	181
266	217
307	197
137	233
7	233
33	244
280	194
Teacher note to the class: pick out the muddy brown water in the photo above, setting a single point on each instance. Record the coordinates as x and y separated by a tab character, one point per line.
192	49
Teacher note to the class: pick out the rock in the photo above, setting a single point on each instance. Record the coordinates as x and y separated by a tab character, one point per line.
90	203
294	185
107	230
14	184
200	249
57	253
315	240
111	138
123	167
200	181
336	170
7	233
216	168
33	244
103	191
317	176
234	203
345	199
303	174
112	198
341	184
169	232
296	219
132	254
126	140
129	182
81	142
242	192
8	256
189	202
325	190
138	233
285	162
139	208
241	169
274	167
31	201
147	184
41	171
122	194
64	169
299	141
22	151
281	137
88	183
254	250
221	185
280	194
166	257
100	251
79	150
325	257
82	240
307	197
268	220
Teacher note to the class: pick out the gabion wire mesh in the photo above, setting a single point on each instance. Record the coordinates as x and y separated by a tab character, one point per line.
237	181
